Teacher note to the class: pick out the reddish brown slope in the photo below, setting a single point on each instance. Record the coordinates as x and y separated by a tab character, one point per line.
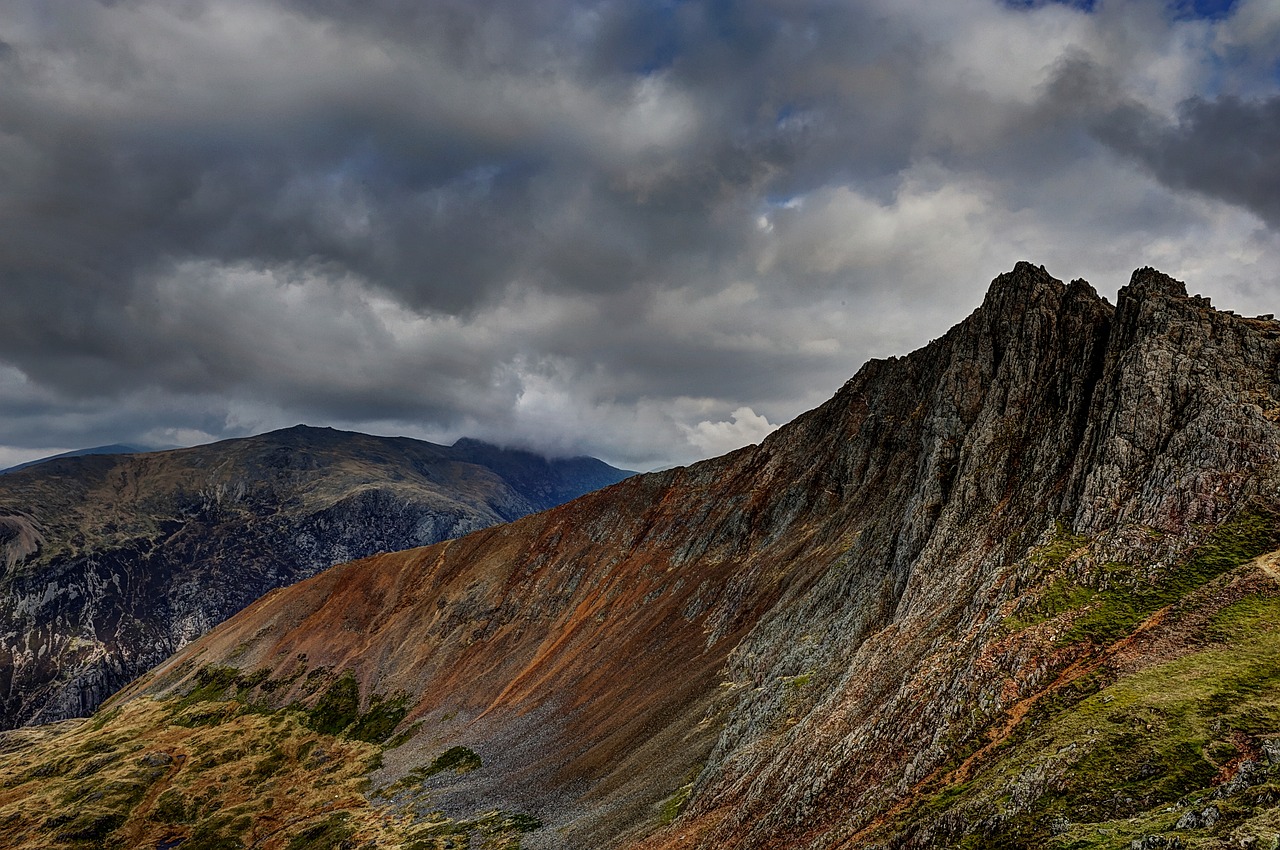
583	649
579	648
815	626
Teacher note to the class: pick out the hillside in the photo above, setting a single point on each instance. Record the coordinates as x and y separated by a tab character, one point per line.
113	449
109	563
1016	589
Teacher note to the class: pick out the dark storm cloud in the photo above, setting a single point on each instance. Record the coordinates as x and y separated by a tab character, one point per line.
599	225
381	177
1227	148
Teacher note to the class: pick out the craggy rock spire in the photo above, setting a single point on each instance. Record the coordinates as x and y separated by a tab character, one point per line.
795	638
1183	422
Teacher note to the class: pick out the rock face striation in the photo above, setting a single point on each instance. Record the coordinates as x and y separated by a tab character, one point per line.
1014	589
110	563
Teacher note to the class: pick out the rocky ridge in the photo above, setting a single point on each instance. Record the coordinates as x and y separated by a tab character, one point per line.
1007	591
110	563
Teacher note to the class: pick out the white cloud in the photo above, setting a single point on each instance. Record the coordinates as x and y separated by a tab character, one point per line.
744	427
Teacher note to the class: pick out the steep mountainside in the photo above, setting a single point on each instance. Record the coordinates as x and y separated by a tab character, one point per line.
108	564
1015	589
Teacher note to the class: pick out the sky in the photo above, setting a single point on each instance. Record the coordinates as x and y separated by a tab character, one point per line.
646	231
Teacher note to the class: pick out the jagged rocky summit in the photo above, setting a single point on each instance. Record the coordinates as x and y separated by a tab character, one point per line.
1015	589
110	563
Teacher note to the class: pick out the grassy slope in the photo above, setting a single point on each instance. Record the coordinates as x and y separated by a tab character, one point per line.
1128	760
217	770
1123	750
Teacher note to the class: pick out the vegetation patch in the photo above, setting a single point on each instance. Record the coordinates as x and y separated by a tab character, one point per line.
137	777
671	807
337	712
496	830
798	682
1062	544
380	719
1062	594
1117	611
331	833
1122	601
269	766
219	832
170	807
457	759
404	737
211	683
1116	761
220	692
337	708
89	828
220	768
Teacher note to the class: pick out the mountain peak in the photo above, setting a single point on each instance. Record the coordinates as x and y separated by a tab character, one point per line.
1011	292
1026	267
1026	277
878	591
1147	280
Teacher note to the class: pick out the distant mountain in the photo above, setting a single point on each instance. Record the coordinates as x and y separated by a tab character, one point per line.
113	449
110	562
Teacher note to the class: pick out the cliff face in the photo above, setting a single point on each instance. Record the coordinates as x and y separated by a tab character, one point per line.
910	618
1045	417
108	564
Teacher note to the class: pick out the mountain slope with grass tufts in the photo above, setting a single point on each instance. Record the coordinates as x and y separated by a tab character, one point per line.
1015	589
110	563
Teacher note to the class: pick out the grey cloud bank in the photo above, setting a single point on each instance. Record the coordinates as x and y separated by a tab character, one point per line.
645	231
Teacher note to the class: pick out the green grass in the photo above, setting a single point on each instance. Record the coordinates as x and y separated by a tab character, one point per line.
338	707
1117	611
1124	753
1061	544
269	766
498	830
89	785
211	683
217	833
380	719
171	807
1063	594
457	759
798	682
91	829
337	712
671	807
326	835
219	692
1118	601
404	737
